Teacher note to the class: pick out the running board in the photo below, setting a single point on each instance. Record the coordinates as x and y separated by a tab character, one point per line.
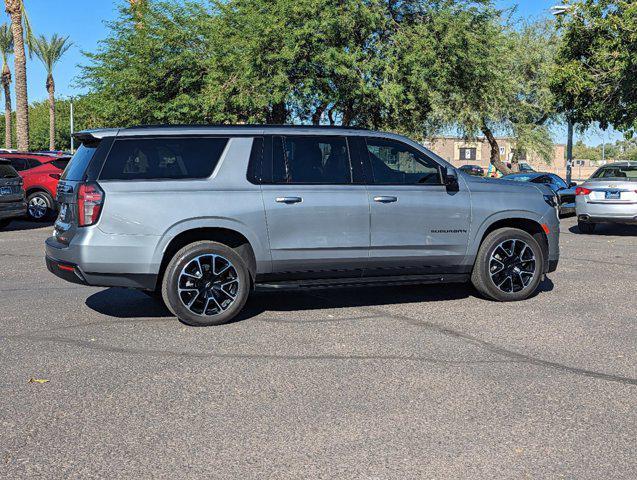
364	281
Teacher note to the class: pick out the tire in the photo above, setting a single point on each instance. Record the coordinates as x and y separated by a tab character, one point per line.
518	283
586	227
40	206
5	222
214	299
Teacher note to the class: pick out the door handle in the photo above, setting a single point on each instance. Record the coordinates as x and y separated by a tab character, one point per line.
289	200
385	199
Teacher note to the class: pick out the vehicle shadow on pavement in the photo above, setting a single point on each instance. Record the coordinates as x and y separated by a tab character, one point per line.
18	225
123	303
609	229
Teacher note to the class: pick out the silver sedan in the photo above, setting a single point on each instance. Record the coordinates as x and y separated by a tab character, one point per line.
610	195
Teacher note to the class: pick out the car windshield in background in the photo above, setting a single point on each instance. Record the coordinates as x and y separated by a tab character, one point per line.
7	171
76	168
61	163
622	172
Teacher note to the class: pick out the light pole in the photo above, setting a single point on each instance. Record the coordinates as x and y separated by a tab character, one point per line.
558	10
72	128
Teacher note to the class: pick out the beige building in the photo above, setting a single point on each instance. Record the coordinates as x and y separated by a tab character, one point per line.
460	152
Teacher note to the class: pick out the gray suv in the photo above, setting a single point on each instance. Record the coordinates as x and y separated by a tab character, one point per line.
200	216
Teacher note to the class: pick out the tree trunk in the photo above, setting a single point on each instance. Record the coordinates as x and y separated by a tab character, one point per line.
318	114
278	114
50	87
14	9
495	150
515	161
6	83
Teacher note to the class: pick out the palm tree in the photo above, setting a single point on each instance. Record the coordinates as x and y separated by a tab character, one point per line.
6	49
50	51
20	25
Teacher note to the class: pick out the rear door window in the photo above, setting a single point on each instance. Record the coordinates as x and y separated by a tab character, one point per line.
162	158
19	164
311	160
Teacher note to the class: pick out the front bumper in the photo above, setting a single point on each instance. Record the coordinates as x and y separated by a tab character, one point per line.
12	210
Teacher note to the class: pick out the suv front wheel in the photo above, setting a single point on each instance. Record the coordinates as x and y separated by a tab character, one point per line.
206	283
508	266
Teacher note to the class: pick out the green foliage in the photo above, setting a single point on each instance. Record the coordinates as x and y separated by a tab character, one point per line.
414	66
39	122
595	77
153	72
6	42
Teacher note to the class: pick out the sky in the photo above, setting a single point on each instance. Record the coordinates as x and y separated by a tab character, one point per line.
84	22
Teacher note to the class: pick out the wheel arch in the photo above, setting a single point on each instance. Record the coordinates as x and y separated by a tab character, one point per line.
530	225
232	238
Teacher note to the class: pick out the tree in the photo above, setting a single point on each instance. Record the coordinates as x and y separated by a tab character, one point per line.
6	49
595	78
153	74
49	51
19	26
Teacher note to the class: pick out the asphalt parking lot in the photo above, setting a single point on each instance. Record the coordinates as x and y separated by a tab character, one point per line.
401	382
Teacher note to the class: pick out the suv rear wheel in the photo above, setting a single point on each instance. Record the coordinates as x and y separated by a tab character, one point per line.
206	283
508	266
39	206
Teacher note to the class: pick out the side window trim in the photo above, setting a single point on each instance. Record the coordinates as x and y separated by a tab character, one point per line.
369	177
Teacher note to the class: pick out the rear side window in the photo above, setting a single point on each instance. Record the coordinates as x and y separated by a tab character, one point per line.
61	163
311	160
19	164
162	158
79	163
7	171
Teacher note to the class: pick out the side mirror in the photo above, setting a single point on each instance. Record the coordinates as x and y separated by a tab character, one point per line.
451	178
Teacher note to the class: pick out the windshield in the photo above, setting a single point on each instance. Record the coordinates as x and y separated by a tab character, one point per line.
626	173
79	163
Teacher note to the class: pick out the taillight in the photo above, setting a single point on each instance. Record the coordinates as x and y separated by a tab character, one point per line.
582	191
90	199
55	175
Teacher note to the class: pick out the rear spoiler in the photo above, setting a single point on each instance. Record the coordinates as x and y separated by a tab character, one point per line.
94	136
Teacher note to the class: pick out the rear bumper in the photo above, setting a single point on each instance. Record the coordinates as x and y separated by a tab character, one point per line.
74	274
598	212
12	210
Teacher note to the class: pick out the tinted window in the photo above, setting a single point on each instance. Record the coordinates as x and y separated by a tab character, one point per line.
255	166
19	164
316	159
396	163
7	171
61	163
79	163
32	162
162	158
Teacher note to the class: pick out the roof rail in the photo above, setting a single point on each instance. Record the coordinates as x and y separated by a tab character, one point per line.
243	125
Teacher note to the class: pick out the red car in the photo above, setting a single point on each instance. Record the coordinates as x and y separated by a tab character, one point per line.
40	173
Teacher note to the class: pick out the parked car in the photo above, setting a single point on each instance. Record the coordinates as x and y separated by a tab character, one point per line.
41	173
476	170
610	195
564	192
12	204
201	215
